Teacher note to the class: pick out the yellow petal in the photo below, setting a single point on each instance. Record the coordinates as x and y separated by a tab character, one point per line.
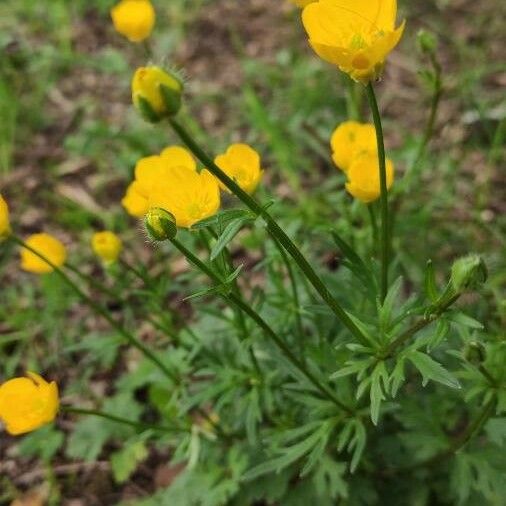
49	247
178	156
134	202
134	19
364	179
106	245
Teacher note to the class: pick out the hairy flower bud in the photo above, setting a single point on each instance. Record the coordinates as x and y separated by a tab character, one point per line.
160	224
156	93
427	42
468	273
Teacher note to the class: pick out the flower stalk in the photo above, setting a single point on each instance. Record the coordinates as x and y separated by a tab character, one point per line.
384	235
273	228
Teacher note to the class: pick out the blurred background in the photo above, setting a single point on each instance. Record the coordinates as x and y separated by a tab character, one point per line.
69	140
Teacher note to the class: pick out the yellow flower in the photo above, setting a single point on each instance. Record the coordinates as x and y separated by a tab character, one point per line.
242	164
106	245
49	247
5	227
302	3
351	139
134	202
186	194
170	181
355	35
27	403
363	177
156	93
134	19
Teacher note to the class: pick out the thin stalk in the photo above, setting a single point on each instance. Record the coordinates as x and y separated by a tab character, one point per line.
244	306
273	228
374	227
384	238
117	419
130	338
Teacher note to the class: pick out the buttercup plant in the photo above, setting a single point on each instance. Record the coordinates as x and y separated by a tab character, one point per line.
310	386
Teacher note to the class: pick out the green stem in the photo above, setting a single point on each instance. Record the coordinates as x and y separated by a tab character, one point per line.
243	306
273	228
384	242
113	418
374	227
130	338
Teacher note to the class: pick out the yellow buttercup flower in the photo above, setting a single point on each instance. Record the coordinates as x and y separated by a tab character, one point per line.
5	227
186	194
364	179
49	247
107	246
355	35
170	181
156	93
134	19
242	164
135	203
27	403
302	3
351	139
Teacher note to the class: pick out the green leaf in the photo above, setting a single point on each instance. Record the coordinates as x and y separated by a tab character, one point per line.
431	370
442	329
379	374
125	461
352	367
87	439
228	234
222	218
464	320
42	443
397	377
356	265
291	455
430	282
387	309
496	431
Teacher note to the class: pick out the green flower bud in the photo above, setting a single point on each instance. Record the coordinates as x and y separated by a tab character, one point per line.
160	224
468	273
427	42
